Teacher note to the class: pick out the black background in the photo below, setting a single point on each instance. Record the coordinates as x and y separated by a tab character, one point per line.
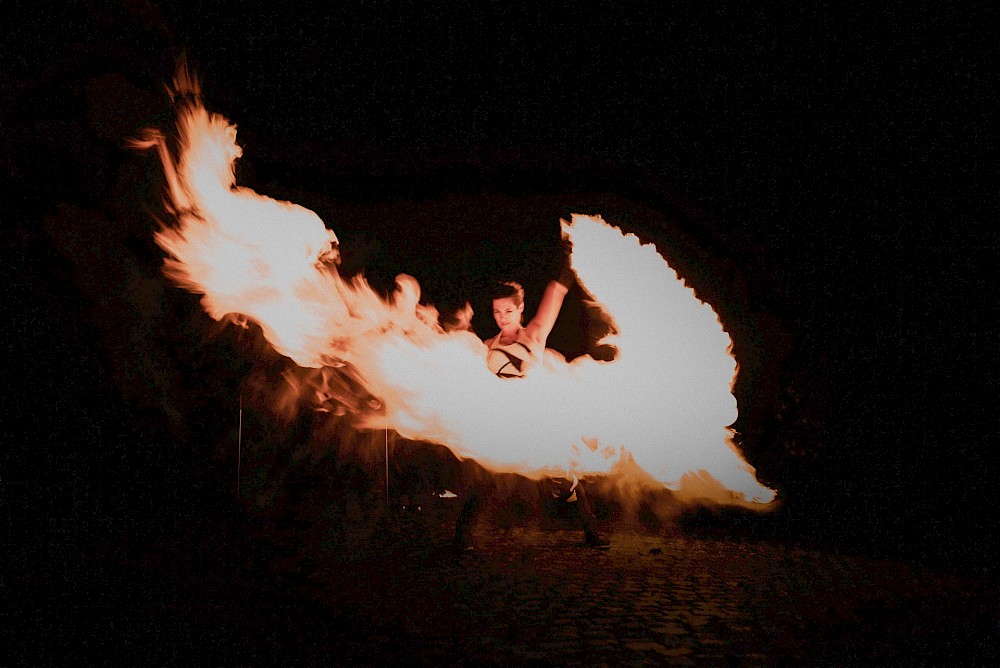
842	159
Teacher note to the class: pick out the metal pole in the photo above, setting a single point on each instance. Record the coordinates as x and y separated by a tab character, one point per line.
239	448
386	430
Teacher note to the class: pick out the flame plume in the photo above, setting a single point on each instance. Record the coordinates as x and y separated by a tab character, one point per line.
665	401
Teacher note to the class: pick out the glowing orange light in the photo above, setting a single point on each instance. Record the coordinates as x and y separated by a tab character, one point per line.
665	400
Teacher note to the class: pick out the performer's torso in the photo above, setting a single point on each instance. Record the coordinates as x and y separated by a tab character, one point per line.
511	360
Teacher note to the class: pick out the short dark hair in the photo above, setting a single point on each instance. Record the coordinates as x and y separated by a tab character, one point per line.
508	290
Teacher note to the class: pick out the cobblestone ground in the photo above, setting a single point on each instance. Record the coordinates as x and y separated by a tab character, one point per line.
534	594
337	588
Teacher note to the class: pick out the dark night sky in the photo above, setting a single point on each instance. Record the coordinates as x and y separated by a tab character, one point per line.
840	159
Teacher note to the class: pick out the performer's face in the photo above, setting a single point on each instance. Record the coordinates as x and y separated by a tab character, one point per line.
507	313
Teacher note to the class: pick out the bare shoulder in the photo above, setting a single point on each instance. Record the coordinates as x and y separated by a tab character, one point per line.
533	333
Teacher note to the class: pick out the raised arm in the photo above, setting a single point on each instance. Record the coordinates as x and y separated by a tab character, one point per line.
552	299
548	310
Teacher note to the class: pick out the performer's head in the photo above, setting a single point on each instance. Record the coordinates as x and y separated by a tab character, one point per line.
508	305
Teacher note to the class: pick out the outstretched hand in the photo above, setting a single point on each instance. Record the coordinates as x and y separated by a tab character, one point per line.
567	245
567	277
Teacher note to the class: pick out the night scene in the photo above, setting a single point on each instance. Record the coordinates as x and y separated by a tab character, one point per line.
376	334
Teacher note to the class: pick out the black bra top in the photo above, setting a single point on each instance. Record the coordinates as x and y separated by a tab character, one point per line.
511	360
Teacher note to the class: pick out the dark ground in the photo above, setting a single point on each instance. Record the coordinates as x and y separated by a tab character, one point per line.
823	179
324	586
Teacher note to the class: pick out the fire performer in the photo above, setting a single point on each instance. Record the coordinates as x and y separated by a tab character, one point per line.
511	354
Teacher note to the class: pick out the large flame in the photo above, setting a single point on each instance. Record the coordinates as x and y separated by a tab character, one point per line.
665	400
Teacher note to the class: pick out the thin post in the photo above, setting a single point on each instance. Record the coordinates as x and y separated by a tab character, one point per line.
386	430
239	448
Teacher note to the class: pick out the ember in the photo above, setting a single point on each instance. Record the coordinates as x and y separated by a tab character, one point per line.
664	402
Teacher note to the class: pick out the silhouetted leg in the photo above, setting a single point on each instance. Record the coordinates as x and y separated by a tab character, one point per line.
471	507
587	517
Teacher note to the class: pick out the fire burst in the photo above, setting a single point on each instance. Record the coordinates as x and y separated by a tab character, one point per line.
664	402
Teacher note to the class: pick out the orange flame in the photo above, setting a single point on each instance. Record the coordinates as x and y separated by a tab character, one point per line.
666	400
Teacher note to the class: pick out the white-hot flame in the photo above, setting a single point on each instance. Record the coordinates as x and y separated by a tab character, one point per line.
666	399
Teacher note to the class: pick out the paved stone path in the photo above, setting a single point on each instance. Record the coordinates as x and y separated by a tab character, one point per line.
338	588
534	594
